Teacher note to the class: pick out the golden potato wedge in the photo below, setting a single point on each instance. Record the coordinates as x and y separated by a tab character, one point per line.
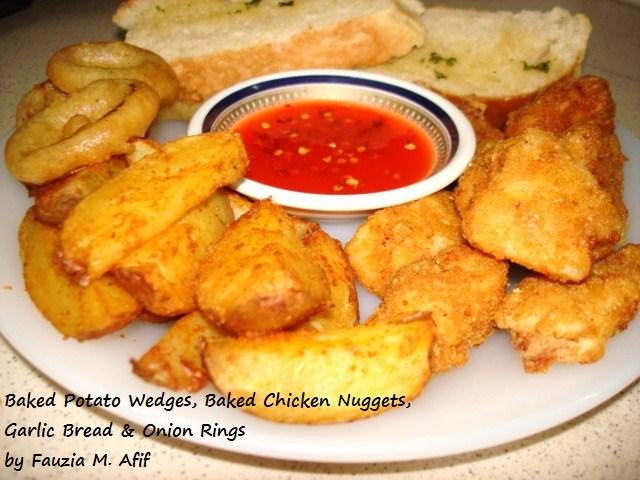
75	311
259	277
161	273
146	199
175	361
55	200
323	377
328	253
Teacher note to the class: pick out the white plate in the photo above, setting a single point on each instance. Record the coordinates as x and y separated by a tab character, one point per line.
487	402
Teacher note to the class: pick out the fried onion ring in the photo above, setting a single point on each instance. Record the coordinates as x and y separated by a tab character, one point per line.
88	127
37	99
75	66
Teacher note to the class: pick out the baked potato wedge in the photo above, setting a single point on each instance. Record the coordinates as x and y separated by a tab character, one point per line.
328	253
161	273
78	312
259	277
347	373
146	199
175	361
55	200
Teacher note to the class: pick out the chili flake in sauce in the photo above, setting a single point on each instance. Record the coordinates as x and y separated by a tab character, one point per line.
336	147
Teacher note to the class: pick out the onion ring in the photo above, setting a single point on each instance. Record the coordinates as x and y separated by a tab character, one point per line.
37	99
115	111
75	66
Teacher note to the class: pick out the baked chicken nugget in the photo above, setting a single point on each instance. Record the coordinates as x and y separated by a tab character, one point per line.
584	100
259	277
527	200
394	237
571	323
583	111
601	153
459	289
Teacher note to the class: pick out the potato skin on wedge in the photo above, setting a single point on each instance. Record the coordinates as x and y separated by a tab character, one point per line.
366	361
147	198
55	200
161	274
75	311
175	361
328	253
259	277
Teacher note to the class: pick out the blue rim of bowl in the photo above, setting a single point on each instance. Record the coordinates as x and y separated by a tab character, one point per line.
461	135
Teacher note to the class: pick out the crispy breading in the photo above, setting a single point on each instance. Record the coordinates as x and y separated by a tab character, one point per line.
583	111
586	99
571	323
527	200
601	153
394	237
459	289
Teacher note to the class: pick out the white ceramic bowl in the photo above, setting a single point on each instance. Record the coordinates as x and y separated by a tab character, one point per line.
447	126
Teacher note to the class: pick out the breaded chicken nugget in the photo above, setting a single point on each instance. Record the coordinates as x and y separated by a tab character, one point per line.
583	111
600	152
527	200
394	237
586	99
459	289
571	323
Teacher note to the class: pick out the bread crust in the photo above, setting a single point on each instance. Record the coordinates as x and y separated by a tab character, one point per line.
355	43
502	59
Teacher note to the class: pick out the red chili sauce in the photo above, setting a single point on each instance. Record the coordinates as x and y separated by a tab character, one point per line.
334	147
